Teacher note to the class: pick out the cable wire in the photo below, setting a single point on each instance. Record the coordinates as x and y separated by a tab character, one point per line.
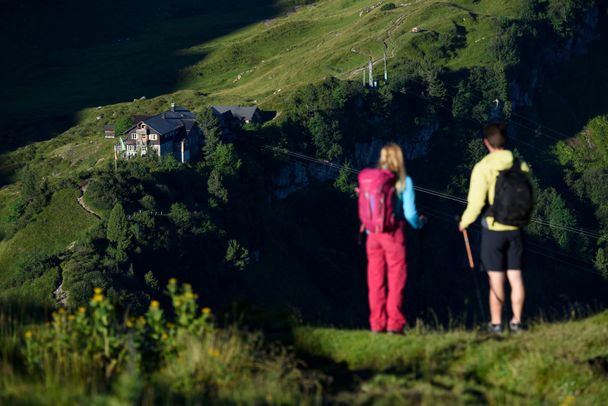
431	192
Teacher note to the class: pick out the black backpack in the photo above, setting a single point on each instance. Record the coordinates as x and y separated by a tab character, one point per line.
513	197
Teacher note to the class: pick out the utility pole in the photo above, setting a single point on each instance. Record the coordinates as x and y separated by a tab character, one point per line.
364	83
371	72
385	67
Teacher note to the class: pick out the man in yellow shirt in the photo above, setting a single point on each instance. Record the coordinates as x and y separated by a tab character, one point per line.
501	244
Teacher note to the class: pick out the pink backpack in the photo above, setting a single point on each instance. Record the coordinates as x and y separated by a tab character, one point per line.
376	190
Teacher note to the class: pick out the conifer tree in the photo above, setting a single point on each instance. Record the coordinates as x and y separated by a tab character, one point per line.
118	234
211	132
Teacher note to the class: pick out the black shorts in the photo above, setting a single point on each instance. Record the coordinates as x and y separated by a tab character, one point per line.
502	250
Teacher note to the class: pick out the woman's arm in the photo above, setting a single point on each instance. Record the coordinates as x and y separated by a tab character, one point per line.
409	205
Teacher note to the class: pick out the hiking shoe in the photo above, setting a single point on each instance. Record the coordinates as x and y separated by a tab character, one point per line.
495	328
516	327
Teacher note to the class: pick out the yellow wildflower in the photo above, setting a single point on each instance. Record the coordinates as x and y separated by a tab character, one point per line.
98	291
141	321
154	305
82	310
170	325
61	310
164	337
206	310
129	322
213	352
71	317
97	297
172	281
28	334
177	303
187	286
568	400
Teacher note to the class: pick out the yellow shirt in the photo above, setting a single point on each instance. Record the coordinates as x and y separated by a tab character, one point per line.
481	189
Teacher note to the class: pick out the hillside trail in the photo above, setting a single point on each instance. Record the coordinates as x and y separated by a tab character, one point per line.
81	202
390	33
61	295
389	40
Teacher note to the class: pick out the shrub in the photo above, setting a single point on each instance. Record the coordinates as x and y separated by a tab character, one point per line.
388	6
184	358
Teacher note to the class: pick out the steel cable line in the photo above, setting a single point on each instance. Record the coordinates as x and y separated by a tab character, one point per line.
445	218
580	231
448	217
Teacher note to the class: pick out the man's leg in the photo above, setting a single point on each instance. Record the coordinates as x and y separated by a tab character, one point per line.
515	264
497	295
518	293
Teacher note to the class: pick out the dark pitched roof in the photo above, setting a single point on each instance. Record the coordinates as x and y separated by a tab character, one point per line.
169	120
162	124
240	112
108	127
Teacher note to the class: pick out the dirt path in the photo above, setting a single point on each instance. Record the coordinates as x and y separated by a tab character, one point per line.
81	202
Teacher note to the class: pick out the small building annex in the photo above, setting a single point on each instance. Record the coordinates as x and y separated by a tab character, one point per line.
174	132
231	117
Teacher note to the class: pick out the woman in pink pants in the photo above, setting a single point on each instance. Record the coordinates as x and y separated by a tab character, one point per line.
386	254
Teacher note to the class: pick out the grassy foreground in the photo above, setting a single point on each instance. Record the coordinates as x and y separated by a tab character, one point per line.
176	354
564	363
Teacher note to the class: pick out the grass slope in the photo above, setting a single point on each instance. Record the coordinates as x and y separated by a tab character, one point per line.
261	63
564	363
334	38
51	232
216	58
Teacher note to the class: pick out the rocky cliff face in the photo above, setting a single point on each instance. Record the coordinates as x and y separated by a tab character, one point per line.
295	176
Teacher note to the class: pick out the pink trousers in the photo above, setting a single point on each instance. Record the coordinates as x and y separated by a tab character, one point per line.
386	276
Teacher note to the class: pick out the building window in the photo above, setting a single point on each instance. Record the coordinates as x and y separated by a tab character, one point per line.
153	137
134	136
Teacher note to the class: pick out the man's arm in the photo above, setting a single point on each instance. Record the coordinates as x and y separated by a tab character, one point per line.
478	192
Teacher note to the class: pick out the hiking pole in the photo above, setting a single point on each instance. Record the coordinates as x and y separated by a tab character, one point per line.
467	244
465	233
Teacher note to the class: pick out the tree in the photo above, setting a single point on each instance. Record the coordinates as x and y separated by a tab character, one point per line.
118	234
123	123
326	136
34	191
237	255
215	186
552	208
181	217
566	14
345	181
212	133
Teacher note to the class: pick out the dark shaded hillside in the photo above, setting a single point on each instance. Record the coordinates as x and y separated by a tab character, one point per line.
61	57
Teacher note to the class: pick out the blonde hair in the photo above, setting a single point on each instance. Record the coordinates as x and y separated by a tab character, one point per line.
391	158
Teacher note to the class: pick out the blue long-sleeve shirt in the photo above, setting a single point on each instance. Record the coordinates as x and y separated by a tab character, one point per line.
407	202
